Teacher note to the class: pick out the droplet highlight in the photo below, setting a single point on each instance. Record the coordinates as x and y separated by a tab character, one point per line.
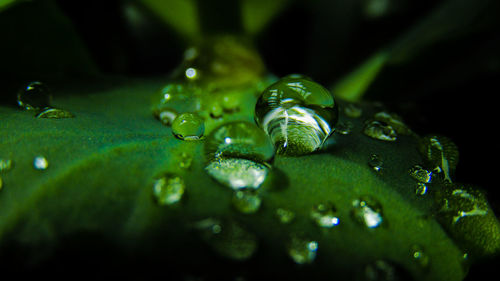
40	163
324	215
368	212
54	113
302	251
298	114
375	162
237	173
379	131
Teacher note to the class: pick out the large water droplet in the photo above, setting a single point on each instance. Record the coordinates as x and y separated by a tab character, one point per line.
40	163
302	251
34	96
440	153
246	201
54	113
168	189
298	115
239	140
380	131
228	239
237	173
188	126
324	214
368	212
285	216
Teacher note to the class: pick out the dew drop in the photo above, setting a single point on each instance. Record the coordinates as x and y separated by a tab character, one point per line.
459	202
419	256
177	98
239	140
54	113
394	121
40	163
165	115
368	212
34	96
344	128
440	153
5	165
188	126
246	201
191	73
228	239
420	174
375	162
168	189
285	216
230	102
298	115
237	173
323	215
302	251
379	131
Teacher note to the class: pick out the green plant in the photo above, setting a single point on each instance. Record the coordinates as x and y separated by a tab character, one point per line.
376	199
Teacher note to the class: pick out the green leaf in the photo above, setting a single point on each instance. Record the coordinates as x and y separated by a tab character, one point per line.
102	166
256	14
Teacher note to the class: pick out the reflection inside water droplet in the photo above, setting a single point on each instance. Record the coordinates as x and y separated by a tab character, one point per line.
54	113
188	126
324	215
380	131
298	115
368	212
34	96
237	173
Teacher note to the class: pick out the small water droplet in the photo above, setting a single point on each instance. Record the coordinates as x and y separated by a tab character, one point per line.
229	239
419	255
352	110
237	173
176	98
168	189
54	113
421	189
393	120
298	115
379	131
246	201
191	73
344	128
40	163
34	96
165	115
368	212
460	201
375	162
5	165
420	174
230	102
188	126
440	153
216	110
324	215
239	140
285	216
302	251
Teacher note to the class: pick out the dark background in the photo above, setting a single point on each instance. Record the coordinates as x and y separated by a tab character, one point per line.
449	87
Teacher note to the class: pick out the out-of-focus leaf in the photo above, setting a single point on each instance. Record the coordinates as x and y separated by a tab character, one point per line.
257	14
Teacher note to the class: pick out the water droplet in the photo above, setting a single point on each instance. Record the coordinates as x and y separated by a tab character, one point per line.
188	126
34	96
368	212
216	110
459	202
175	98
298	115
393	120
420	174
165	115
375	162
344	128
168	189
324	215
302	251
5	165
421	189
228	239
351	110
285	216
40	163
237	173
440	153
54	113
239	140
191	73
379	131
419	255
246	201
